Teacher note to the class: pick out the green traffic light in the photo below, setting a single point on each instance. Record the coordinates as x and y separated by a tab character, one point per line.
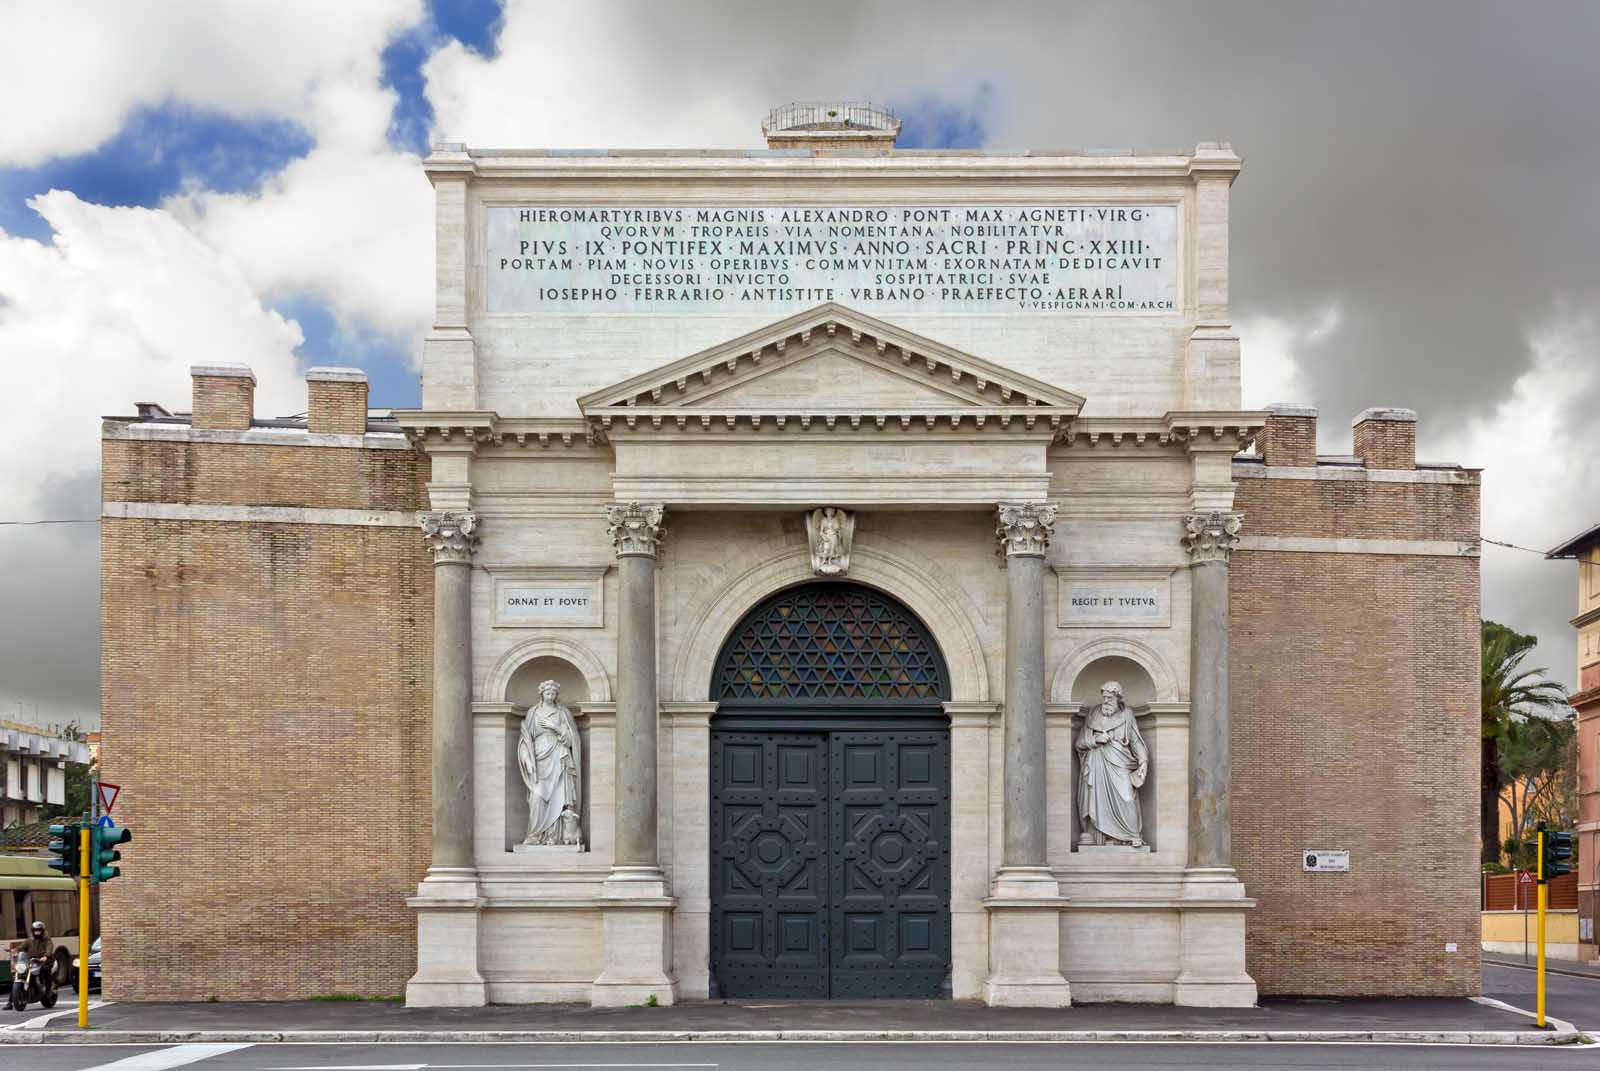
102	851
65	849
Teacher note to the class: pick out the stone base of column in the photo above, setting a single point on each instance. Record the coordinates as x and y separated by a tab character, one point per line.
1211	971
447	905
1025	941
637	931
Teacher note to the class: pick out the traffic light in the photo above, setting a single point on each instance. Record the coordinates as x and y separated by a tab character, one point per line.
103	841
64	848
1557	854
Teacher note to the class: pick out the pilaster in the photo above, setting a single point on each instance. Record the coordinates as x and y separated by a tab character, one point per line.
448	901
1024	906
638	910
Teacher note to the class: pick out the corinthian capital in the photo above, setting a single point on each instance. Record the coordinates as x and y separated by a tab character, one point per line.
1211	537
450	535
1025	528
634	527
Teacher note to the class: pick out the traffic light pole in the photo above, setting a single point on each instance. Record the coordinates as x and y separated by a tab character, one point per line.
84	929
1543	893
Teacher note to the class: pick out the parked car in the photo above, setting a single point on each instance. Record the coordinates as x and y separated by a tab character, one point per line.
94	968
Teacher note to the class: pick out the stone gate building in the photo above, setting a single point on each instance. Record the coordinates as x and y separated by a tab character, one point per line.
842	572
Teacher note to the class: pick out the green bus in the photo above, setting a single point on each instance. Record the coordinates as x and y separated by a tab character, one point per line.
30	890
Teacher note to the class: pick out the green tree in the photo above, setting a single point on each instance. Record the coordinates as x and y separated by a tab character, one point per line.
1512	695
1538	767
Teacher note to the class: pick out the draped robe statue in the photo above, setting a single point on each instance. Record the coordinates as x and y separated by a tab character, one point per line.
1112	764
550	755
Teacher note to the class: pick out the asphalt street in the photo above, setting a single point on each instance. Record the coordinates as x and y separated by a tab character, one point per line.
888	1056
1577	1000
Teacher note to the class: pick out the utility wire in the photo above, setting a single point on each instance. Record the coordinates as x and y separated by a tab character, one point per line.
76	520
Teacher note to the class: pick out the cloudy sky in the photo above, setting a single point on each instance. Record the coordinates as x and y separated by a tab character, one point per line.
182	182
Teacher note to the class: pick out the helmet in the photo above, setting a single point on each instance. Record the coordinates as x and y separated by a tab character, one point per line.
38	927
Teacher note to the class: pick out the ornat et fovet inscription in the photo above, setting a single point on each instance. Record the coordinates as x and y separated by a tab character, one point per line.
549	597
991	259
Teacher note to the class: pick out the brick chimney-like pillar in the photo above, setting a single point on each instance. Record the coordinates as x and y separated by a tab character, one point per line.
1290	437
1386	438
336	401
224	396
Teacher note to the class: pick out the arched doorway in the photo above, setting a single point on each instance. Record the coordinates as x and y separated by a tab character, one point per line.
830	800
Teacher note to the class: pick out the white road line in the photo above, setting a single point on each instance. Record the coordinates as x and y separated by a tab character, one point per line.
456	1067
175	1056
38	1021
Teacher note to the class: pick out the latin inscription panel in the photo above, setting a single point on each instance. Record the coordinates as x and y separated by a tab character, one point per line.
1091	598
549	597
1068	259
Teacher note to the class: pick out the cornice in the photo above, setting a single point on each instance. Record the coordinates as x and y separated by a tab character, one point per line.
613	421
775	166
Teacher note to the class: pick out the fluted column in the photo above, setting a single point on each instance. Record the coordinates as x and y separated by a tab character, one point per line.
1024	532
452	538
635	529
1209	538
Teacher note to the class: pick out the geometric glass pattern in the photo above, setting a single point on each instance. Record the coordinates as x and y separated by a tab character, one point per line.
827	644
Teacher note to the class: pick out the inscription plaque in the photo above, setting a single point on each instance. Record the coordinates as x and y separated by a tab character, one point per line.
909	258
1097	598
532	597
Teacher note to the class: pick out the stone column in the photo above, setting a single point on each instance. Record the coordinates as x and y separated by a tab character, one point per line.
1024	533
447	902
638	915
1209	538
635	531
1024	906
1211	970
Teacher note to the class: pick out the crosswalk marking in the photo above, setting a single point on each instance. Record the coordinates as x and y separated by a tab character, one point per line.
174	1056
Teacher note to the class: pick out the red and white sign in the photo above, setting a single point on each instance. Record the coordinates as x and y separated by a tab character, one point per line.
1526	878
108	794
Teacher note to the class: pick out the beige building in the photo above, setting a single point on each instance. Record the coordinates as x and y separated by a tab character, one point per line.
1585	549
834	487
33	771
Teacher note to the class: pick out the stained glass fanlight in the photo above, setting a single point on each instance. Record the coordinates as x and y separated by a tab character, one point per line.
830	644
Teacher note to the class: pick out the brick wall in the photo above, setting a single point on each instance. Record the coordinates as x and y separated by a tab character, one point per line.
266	711
1354	698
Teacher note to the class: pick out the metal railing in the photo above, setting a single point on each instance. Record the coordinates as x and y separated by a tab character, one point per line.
831	115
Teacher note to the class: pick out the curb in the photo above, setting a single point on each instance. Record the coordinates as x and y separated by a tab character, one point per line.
1593	976
368	1037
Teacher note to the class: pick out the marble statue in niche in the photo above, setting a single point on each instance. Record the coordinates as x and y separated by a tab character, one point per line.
550	755
830	531
1112	765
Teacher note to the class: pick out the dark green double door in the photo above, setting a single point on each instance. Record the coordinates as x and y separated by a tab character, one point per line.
830	862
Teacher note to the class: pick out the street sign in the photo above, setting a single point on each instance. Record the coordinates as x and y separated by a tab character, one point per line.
107	793
105	822
1526	877
1325	860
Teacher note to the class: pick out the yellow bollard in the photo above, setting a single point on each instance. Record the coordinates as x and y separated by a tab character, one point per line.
84	940
1542	895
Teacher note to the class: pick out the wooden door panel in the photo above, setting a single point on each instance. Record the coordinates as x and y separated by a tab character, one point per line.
769	827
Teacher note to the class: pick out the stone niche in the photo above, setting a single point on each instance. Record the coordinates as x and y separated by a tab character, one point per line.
522	693
1138	692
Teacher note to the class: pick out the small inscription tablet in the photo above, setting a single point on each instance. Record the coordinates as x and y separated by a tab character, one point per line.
1097	598
533	597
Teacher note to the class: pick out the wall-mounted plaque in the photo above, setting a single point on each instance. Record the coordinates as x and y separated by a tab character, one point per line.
885	259
1114	597
549	597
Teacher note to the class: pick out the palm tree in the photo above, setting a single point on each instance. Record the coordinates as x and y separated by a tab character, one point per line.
1511	695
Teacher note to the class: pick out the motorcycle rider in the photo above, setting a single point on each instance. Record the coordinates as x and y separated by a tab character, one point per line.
40	950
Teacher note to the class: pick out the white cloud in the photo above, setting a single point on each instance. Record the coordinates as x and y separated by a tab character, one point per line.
1270	349
115	311
1538	487
73	72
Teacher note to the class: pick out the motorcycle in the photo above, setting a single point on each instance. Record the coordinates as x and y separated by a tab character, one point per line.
32	980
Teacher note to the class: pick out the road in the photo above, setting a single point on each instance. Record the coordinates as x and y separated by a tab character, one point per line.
890	1056
1574	999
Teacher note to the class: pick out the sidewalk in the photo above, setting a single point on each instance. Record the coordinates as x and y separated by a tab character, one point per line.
1455	1021
1551	966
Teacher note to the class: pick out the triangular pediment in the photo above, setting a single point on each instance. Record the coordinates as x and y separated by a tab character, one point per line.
832	359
